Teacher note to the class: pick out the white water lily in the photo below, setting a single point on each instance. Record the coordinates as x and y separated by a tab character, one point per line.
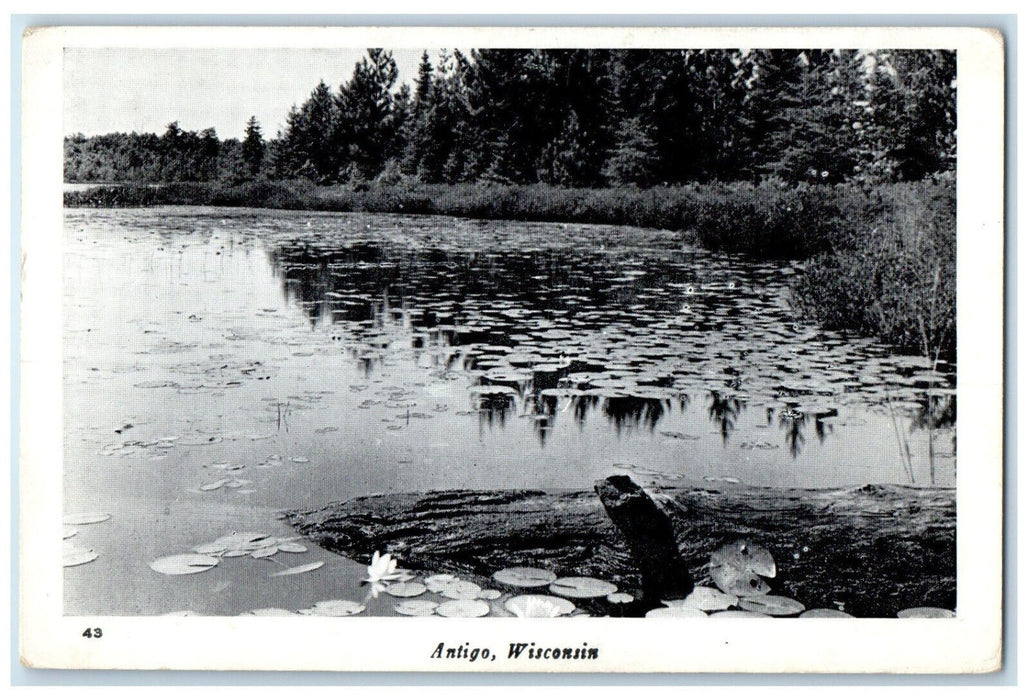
383	568
536	606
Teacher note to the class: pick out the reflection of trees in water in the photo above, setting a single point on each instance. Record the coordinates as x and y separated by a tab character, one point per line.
822	429
942	412
581	407
355	279
630	412
493	410
305	280
366	365
626	413
793	424
724	411
386	299
541	427
439	359
936	412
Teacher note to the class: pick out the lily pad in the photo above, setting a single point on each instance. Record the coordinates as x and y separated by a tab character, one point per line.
406	589
303	568
489	594
224	466
86	518
926	612
73	556
241	540
460	590
491	390
738	582
437	581
620	598
416	608
271	612
179	564
69	532
582	587
824	612
745	556
774	605
676	611
212	548
214	485
525	577
292	547
335	608
707	599
463	608
264	552
539	606
739	613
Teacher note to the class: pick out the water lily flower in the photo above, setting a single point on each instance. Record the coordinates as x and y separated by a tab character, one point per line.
536	606
383	568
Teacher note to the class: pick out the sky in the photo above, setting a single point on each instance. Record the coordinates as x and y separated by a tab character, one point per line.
143	90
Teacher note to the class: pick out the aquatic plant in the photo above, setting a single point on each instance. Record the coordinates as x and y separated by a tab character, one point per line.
382	568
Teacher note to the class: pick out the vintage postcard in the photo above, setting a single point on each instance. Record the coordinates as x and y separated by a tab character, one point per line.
351	348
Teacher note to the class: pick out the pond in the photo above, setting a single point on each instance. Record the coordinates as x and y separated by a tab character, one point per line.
224	365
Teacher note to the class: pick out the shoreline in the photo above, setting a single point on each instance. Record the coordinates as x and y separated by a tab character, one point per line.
881	259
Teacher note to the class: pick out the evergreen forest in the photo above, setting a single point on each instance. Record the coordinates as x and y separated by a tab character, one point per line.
580	118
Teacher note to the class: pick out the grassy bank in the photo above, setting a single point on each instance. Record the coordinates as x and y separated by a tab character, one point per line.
882	260
892	273
767	220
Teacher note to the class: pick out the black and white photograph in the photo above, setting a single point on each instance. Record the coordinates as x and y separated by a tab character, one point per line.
357	328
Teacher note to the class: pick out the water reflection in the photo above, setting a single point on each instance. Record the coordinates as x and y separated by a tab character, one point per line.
370	354
723	412
822	429
573	328
792	426
632	412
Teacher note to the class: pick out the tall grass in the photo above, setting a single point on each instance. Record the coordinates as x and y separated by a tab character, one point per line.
769	219
893	273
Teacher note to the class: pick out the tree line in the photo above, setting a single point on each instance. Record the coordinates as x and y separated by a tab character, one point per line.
581	118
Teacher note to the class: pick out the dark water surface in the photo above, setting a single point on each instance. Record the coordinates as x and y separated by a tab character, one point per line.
306	358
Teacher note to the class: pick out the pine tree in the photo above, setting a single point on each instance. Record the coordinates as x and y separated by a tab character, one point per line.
718	147
416	127
308	147
570	159
448	141
815	142
774	101
365	108
633	161
424	85
208	145
253	148
921	104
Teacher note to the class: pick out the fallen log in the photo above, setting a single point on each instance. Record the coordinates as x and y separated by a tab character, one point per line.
870	551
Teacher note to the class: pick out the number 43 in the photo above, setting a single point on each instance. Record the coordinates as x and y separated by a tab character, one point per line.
93	633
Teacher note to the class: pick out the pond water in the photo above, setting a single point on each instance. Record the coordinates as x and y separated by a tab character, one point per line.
222	365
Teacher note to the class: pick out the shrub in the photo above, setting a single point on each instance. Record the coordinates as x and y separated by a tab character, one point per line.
895	279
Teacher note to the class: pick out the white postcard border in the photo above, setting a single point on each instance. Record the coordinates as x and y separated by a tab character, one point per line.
970	643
